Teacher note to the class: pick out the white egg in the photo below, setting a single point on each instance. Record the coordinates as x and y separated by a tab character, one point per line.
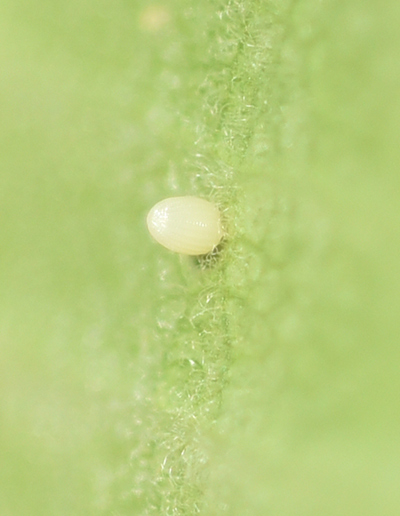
186	225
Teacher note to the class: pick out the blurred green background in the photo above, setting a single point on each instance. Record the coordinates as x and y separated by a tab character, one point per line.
137	382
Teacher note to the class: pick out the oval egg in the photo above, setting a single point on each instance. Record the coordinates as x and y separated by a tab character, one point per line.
186	225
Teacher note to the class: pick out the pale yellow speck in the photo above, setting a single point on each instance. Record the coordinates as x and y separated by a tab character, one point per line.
154	18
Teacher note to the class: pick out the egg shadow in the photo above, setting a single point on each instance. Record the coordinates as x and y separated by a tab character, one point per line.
209	260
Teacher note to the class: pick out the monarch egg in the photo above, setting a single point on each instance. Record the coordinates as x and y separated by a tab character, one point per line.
186	225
